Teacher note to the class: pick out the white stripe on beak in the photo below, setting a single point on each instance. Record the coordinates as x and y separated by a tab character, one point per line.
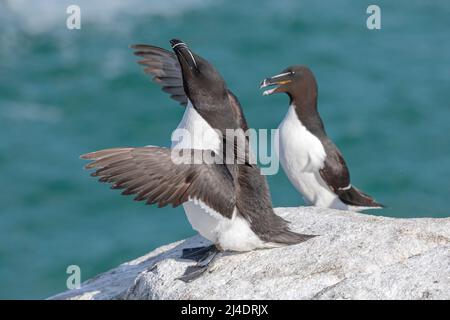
189	51
280	75
195	63
178	44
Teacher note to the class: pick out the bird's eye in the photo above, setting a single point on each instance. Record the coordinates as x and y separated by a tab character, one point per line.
292	72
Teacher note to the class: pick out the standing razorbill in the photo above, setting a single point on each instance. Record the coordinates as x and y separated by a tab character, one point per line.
228	204
312	162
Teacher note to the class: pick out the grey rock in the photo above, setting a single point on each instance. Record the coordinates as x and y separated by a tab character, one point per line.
355	256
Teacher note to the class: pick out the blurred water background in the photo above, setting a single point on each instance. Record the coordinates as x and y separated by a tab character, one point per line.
384	96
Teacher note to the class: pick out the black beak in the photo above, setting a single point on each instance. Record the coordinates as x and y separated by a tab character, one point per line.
183	53
277	81
266	82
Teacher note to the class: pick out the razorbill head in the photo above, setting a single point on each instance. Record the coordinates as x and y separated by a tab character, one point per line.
228	204
205	88
312	162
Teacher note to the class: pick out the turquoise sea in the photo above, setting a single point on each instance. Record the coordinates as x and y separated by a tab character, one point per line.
384	96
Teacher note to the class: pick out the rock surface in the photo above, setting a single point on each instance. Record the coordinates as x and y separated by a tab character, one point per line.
355	256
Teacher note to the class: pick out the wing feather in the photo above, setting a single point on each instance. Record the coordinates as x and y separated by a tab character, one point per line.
150	174
337	176
164	68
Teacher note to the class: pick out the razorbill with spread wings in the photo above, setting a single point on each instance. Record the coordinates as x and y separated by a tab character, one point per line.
312	162
228	204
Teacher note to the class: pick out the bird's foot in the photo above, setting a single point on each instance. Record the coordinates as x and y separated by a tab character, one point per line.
198	253
194	272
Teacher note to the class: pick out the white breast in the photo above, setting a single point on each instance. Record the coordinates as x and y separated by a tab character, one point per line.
200	135
230	234
300	147
302	156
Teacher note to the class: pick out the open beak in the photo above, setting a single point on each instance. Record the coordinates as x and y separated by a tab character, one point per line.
276	81
184	53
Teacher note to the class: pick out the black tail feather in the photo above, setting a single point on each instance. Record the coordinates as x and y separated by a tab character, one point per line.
286	237
355	197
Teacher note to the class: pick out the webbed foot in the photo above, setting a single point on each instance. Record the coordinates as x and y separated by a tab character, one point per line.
203	264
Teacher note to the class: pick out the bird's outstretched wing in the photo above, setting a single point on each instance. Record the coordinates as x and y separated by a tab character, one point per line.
151	175
165	69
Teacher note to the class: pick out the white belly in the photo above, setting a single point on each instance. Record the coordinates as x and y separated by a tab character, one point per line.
302	155
230	234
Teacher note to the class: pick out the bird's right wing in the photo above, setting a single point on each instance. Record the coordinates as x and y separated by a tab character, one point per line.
165	69
152	175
